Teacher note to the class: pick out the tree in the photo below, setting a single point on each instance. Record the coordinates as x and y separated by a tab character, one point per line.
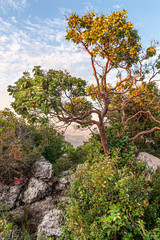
138	116
148	102
119	64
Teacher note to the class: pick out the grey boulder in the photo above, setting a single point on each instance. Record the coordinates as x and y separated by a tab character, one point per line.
36	190
51	225
152	162
42	169
9	194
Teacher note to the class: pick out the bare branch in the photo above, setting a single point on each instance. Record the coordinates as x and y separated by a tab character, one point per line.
145	112
145	132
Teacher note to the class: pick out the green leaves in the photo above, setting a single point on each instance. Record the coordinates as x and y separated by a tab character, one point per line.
36	97
158	65
5	228
106	201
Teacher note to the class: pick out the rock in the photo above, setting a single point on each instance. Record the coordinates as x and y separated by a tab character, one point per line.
9	194
43	169
152	162
51	226
67	173
60	199
38	210
34	202
36	190
80	166
62	183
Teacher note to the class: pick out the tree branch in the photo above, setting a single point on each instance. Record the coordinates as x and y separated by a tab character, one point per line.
145	132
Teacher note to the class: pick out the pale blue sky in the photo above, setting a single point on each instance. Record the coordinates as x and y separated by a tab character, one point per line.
32	32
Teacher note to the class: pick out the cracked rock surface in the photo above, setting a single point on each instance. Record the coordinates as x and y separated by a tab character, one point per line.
36	190
37	198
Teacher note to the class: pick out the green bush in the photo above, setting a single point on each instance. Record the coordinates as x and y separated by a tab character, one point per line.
51	143
107	202
152	213
62	164
70	159
15	159
21	144
93	149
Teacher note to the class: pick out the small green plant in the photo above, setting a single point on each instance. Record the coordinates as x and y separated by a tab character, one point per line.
153	234
5	228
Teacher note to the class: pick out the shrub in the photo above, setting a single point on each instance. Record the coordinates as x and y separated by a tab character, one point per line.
62	164
21	144
51	143
93	149
107	202
13	158
152	213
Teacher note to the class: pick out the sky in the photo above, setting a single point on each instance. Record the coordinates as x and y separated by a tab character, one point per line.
32	33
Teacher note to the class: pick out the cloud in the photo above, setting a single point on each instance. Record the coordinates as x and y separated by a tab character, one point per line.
37	44
13	19
32	42
118	6
5	99
65	11
16	4
89	7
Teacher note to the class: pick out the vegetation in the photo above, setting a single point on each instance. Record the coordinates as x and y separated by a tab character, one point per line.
142	122
21	144
114	48
111	201
8	229
111	197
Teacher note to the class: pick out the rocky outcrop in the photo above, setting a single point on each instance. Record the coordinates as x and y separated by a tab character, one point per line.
43	169
50	225
36	190
35	199
152	162
9	195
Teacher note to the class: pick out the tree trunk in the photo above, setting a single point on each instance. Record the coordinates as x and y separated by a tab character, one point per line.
103	138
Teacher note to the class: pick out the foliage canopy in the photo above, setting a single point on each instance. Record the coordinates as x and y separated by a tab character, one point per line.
114	49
